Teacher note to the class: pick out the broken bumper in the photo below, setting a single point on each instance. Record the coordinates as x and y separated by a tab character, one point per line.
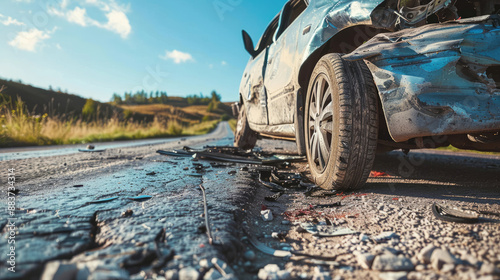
438	79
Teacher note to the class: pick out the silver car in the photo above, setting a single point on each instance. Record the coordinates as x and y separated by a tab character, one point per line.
345	78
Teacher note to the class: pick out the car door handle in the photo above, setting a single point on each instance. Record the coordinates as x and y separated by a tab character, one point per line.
306	30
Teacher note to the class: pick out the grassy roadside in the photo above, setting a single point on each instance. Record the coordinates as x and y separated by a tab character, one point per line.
18	127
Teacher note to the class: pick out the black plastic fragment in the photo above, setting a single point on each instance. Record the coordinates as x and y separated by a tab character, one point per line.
273	197
454	215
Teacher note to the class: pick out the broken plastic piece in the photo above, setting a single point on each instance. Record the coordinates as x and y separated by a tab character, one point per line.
140	198
267	250
273	197
266	215
454	215
91	150
379	174
286	178
176	153
280	159
272	186
225	157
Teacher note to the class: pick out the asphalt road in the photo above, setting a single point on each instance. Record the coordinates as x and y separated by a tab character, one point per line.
75	216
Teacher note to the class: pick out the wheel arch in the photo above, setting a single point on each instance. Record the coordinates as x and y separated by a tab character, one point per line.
344	41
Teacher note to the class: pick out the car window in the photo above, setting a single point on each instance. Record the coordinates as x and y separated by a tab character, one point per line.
267	37
291	12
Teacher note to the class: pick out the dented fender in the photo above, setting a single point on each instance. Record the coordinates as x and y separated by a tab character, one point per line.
438	79
333	19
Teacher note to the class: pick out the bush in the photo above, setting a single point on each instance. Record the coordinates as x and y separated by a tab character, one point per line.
206	119
225	117
89	110
174	129
213	105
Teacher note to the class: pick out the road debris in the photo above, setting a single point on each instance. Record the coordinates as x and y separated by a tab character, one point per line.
140	198
326	230
103	200
273	197
151	173
268	250
91	150
127	213
205	212
266	215
315	191
374	173
272	186
232	154
454	215
286	179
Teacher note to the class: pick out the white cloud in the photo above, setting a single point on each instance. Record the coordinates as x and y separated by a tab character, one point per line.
117	20
58	46
11	21
118	23
28	40
177	56
64	4
223	63
78	16
211	66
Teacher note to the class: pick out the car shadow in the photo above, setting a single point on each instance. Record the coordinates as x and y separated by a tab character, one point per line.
467	178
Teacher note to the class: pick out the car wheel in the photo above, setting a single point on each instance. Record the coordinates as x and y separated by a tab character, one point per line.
340	123
244	137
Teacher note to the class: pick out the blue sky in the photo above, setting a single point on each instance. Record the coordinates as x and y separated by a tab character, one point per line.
94	48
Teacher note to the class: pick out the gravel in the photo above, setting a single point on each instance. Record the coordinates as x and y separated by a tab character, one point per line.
397	236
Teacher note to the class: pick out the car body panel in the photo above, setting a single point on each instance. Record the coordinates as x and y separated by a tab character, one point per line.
254	95
327	20
280	76
432	80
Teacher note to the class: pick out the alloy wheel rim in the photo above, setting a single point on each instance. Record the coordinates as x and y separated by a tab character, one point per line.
320	122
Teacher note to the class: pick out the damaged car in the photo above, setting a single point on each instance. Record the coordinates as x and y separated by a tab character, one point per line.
346	78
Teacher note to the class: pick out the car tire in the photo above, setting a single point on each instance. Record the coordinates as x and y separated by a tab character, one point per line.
244	137
341	133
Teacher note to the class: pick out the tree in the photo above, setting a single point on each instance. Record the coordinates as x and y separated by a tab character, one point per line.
215	96
89	110
116	99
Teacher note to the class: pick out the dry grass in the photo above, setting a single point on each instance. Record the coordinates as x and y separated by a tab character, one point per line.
20	128
187	115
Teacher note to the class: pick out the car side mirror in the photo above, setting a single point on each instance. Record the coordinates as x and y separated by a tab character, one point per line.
247	41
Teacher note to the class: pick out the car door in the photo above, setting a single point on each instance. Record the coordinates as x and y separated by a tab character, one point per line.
282	54
254	91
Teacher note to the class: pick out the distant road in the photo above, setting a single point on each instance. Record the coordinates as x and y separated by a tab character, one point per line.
58	150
